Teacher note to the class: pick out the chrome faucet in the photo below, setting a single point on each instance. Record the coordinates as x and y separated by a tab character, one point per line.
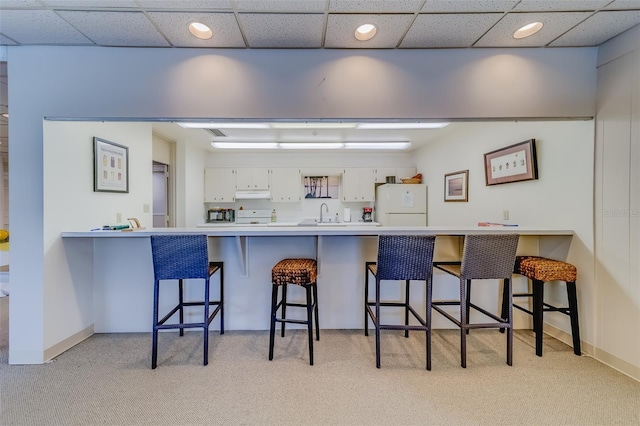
326	208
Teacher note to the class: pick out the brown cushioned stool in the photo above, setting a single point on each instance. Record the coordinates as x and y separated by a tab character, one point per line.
541	270
302	272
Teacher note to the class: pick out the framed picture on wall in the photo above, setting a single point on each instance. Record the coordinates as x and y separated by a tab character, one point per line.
110	166
513	163
456	186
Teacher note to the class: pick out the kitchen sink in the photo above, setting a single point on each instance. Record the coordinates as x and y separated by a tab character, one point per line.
312	222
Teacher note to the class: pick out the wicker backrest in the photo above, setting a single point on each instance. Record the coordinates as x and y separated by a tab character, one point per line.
405	257
179	256
489	256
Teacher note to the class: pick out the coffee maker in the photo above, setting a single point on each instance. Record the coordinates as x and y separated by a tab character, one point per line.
367	214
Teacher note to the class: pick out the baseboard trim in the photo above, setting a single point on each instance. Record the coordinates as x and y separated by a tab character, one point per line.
598	354
67	343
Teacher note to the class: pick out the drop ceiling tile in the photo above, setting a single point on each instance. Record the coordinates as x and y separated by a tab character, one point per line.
17	4
599	28
279	30
115	28
19	25
448	30
174	25
624	4
375	6
90	4
559	5
555	24
185	5
390	28
6	41
281	5
469	5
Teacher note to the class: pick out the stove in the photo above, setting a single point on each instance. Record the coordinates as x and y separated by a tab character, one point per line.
253	217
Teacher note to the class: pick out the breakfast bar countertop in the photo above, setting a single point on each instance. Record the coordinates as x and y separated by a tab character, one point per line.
324	229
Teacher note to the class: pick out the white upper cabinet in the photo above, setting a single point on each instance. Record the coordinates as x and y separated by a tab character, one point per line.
358	184
219	185
286	185
398	172
252	179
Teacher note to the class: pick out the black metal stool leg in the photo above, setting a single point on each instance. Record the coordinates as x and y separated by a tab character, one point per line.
505	303
468	302
308	289
464	321
284	308
538	310
508	283
573	314
181	304
406	308
221	298
154	344
205	326
315	303
272	328
366	299
377	323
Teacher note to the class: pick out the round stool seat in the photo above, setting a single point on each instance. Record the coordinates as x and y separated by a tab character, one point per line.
543	269
294	271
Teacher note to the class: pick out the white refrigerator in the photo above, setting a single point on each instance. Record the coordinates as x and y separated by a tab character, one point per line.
401	205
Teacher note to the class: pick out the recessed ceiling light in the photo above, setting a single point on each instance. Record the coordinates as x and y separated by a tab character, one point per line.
528	30
200	30
5	114
366	32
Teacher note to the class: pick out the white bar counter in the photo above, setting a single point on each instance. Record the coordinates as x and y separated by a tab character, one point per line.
115	269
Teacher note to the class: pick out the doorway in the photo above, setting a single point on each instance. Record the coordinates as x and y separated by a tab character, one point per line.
160	195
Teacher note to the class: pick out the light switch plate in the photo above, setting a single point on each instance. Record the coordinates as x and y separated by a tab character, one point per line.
505	214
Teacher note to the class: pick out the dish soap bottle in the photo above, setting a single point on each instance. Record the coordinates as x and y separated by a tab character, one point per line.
273	215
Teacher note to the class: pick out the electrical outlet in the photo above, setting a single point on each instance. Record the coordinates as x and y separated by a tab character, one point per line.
505	214
146	208
118	217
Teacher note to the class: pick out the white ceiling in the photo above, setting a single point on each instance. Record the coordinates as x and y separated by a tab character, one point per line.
309	24
314	23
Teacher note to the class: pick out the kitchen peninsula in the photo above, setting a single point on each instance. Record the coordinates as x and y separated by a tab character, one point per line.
115	268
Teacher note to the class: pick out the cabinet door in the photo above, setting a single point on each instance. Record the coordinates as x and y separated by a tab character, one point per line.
383	172
252	179
219	185
358	184
286	185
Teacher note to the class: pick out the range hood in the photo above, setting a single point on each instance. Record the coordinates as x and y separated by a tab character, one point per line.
253	195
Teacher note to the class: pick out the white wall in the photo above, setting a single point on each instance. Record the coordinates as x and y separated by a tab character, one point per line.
561	197
71	204
87	82
617	198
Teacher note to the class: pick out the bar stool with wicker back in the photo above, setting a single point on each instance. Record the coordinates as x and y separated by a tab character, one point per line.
180	257
400	258
484	256
541	270
301	272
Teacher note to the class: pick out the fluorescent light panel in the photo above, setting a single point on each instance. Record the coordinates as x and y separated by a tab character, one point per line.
377	145
312	125
245	145
380	126
310	145
211	125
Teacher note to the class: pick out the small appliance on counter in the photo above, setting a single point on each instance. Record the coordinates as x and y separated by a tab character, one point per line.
253	217
218	214
367	214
